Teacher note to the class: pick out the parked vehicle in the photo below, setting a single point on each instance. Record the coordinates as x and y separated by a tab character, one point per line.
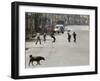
59	28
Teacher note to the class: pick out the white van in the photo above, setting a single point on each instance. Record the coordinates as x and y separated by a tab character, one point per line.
59	28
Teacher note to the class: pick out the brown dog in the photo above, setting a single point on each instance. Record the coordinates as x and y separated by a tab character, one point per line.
37	59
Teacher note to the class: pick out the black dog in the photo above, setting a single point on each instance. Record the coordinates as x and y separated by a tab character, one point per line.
37	59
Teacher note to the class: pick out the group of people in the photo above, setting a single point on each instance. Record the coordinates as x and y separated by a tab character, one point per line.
38	39
52	35
69	37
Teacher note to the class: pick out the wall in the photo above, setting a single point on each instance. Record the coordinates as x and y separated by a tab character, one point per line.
5	40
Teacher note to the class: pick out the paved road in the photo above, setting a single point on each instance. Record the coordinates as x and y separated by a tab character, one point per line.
61	53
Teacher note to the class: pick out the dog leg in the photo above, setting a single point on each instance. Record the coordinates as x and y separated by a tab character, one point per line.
32	64
38	63
29	63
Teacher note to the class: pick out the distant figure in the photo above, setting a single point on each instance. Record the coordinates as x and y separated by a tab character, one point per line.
69	37
62	29
44	37
53	36
38	38
74	36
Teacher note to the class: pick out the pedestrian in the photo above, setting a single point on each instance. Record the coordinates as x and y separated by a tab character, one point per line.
62	29
69	37
74	36
44	37
38	39
53	36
